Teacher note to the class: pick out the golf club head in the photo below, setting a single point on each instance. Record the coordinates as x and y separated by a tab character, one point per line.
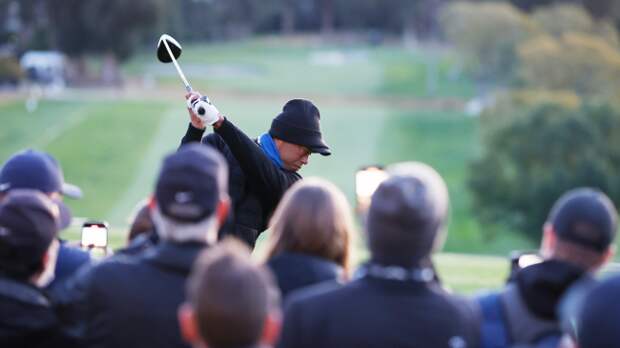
162	52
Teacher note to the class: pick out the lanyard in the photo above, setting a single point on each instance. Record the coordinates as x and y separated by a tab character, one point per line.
396	273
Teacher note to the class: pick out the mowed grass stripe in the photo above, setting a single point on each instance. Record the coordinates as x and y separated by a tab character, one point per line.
447	141
165	140
103	152
21	129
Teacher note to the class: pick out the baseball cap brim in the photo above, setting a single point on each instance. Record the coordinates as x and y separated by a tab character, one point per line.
320	147
71	191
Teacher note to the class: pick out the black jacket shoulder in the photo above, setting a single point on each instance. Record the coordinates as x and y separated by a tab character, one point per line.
378	313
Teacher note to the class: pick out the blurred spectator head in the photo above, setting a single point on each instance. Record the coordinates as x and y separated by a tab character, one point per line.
36	170
191	195
597	322
29	224
141	221
231	301
581	228
407	215
313	218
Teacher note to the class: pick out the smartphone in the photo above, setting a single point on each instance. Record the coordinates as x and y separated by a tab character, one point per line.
94	234
367	179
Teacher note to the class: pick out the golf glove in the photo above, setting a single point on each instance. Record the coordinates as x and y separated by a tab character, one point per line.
205	110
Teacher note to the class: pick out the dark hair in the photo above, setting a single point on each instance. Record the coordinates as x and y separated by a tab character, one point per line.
313	218
231	296
407	215
142	221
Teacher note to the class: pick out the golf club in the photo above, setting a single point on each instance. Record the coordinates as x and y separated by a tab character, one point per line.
168	50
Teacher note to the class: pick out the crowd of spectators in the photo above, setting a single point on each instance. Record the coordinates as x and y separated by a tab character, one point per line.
180	282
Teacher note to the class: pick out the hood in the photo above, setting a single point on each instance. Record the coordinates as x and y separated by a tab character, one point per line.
542	285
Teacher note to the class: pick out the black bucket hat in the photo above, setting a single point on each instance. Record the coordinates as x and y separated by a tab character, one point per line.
298	123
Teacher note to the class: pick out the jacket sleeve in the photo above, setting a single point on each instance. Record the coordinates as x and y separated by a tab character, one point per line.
260	171
192	134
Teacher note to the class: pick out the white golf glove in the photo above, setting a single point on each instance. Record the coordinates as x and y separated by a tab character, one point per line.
205	110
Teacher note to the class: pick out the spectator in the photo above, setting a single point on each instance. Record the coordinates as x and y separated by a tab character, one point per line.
310	238
231	302
31	169
29	223
597	324
261	170
577	239
141	222
132	301
395	300
142	235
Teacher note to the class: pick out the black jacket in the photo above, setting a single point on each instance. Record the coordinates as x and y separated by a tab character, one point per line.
133	301
256	185
372	312
27	318
294	271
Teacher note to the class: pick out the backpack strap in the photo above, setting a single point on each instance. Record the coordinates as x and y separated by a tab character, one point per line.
493	330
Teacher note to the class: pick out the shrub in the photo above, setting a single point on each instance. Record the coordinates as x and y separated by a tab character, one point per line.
560	19
487	34
537	154
583	63
10	71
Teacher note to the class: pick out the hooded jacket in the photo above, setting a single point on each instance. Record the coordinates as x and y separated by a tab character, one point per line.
27	318
530	303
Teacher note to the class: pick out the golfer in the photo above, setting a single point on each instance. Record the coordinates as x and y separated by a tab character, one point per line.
261	170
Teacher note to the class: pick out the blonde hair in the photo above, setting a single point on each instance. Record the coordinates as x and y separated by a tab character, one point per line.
313	218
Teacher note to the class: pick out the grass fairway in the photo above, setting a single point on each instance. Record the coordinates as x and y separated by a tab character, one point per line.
373	107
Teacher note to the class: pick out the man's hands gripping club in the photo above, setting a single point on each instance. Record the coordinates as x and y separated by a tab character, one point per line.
201	110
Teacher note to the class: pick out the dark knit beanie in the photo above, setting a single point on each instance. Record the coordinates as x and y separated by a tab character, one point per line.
298	123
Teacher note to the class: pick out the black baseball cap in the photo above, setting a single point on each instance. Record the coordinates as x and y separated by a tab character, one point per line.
29	221
298	123
585	216
191	182
37	170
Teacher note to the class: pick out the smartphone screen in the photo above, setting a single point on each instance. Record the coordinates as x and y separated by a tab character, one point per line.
94	235
367	180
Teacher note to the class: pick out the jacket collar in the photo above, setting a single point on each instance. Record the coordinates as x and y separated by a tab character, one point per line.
176	256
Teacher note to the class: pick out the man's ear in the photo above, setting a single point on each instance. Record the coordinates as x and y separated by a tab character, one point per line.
187	324
44	260
609	254
548	241
151	203
271	328
222	210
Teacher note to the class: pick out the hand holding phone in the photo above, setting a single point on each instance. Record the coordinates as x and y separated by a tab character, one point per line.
94	234
367	179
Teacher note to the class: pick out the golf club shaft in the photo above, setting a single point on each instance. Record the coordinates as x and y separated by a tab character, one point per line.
188	88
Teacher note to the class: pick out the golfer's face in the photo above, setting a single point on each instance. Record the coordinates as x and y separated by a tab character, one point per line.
293	156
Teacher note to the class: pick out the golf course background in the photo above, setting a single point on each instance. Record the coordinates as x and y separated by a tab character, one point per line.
379	105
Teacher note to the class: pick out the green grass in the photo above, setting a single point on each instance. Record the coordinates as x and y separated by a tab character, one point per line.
266	66
112	147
